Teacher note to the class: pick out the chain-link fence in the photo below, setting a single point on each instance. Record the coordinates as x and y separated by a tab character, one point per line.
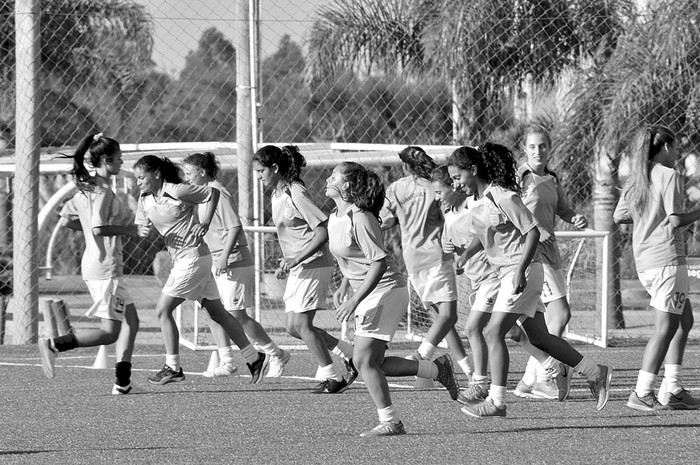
419	72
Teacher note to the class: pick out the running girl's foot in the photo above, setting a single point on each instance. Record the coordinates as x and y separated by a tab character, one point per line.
446	375
258	367
167	375
648	403
474	393
485	408
48	357
352	371
385	428
331	386
118	390
224	369
277	364
600	388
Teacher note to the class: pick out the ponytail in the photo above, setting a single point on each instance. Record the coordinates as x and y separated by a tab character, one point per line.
419	163
288	159
98	147
169	172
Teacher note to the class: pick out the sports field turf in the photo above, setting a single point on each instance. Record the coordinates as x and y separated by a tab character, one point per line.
73	418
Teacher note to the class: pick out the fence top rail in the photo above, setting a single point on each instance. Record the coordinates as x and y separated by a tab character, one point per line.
584	233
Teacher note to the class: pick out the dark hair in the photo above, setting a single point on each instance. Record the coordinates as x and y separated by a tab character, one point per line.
419	162
366	189
98	147
647	142
288	159
441	174
206	161
494	164
168	170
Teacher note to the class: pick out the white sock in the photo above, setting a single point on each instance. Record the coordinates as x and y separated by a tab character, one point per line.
425	369
343	349
387	414
272	349
530	375
249	353
480	379
550	368
426	350
464	365
587	368
329	372
498	395
672	375
226	355
173	361
645	383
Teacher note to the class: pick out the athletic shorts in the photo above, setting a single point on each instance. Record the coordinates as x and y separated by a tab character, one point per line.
379	314
436	284
191	279
554	286
237	287
307	289
668	287
110	298
528	302
483	299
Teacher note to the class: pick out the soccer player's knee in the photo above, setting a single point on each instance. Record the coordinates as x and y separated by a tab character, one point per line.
292	331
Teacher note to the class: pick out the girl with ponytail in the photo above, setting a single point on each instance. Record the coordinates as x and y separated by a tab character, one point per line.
306	263
97	211
373	292
653	200
507	233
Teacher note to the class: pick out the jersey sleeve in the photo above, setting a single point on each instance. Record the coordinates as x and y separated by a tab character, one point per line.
306	207
69	210
388	210
141	215
368	235
189	193
563	207
101	208
513	207
225	210
673	195
622	212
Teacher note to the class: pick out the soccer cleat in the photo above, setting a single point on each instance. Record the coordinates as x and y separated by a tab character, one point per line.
600	388
277	365
48	357
446	375
352	371
683	401
524	390
385	428
224	369
648	403
474	393
258	367
546	389
485	408
167	375
563	382
331	386
118	390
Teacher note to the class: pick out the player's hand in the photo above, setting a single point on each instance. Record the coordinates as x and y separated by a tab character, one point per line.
519	283
220	266
342	294
200	229
145	229
546	237
345	310
579	221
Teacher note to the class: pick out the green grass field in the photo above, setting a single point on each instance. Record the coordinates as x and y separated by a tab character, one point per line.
74	419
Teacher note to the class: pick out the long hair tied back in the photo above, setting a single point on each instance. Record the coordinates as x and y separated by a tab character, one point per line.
647	142
288	159
418	162
168	170
494	164
365	187
97	146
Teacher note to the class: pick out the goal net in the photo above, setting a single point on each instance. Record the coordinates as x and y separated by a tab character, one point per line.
586	264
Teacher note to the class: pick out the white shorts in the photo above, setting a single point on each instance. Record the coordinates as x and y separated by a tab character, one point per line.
379	314
485	295
237	287
528	302
307	289
554	286
191	278
668	287
110	298
435	284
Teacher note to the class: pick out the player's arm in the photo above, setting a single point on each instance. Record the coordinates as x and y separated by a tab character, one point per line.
70	224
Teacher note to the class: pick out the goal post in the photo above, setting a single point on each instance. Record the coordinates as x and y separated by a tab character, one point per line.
586	264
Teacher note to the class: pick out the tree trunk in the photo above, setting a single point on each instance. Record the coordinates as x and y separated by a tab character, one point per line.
604	200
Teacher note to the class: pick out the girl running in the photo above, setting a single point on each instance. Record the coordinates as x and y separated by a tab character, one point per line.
169	205
97	211
410	201
303	238
507	233
374	291
544	197
653	201
232	267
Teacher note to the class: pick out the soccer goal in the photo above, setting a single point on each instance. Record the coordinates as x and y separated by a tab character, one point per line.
585	259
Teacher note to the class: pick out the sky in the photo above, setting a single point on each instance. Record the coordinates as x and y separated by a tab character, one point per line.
179	24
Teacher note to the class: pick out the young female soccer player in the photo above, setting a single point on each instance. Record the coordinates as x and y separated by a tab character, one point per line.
544	197
232	266
303	238
169	205
653	201
98	212
410	201
374	291
505	229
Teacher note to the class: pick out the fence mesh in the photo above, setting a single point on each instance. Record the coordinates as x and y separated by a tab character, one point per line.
419	72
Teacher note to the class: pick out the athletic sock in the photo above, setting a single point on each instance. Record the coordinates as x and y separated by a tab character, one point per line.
587	368
226	355
464	365
271	348
329	372
427	369
426	350
64	343
387	414
480	379
123	373
530	375
249	354
550	368
645	383
343	349
498	395
672	375
173	361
